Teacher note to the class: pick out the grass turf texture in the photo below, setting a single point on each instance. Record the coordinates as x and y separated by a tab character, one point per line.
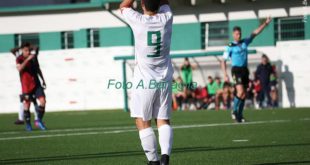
202	137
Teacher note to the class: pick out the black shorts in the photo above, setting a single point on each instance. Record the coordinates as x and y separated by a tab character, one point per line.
35	94
240	76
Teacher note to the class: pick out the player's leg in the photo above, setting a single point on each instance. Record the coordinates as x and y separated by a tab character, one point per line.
237	93
141	109
40	95
20	119
239	101
245	83
240	76
162	113
148	140
165	134
27	116
36	116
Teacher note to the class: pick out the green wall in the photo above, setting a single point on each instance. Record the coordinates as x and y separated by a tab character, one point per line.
186	36
50	41
266	38
80	38
7	42
116	36
307	28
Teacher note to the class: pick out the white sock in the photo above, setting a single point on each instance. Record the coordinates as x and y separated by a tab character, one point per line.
149	143
21	112
165	139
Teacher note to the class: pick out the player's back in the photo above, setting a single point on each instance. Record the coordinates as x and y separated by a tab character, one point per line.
152	42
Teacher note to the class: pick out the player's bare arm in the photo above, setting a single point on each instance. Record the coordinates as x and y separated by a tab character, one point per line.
224	69
126	4
261	27
42	78
20	67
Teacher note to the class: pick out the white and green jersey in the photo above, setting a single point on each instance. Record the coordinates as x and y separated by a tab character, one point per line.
152	42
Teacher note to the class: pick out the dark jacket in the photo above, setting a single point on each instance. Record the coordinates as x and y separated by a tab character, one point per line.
263	73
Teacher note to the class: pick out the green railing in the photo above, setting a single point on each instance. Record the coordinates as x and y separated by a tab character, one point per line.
289	29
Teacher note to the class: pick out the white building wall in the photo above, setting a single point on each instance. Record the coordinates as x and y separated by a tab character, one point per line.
76	79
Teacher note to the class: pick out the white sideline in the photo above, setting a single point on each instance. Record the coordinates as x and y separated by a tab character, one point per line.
129	129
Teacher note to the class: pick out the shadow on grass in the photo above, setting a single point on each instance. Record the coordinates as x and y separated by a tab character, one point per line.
136	153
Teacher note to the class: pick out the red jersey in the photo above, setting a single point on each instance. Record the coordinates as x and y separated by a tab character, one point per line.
201	93
28	75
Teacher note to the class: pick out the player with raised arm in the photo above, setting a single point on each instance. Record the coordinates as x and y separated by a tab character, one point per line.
20	119
29	70
152	32
237	52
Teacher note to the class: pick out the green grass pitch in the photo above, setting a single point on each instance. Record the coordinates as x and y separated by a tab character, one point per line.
280	136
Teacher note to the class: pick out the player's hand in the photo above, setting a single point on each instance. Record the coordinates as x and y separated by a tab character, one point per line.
44	85
226	78
30	57
268	20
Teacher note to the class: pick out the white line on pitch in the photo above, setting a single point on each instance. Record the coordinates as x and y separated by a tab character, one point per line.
132	127
240	140
72	130
125	129
305	119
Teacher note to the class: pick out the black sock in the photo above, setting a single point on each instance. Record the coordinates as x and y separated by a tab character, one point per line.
41	112
27	116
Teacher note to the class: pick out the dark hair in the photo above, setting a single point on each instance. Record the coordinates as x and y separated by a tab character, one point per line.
266	57
152	5
226	84
210	77
237	28
26	44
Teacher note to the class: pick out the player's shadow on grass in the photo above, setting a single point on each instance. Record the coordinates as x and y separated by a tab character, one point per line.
139	153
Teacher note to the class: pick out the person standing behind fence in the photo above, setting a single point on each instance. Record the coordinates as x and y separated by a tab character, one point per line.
263	73
187	72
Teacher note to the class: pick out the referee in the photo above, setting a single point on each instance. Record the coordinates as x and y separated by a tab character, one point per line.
237	52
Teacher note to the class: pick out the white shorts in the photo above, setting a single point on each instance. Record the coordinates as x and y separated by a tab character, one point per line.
150	102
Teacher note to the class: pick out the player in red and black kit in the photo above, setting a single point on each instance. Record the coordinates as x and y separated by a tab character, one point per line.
29	70
20	120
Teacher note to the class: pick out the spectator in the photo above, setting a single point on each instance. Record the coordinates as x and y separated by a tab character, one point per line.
223	95
263	73
256	92
186	69
213	87
201	96
178	94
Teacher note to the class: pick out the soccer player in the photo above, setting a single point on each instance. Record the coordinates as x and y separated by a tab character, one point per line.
20	119
237	52
29	70
152	32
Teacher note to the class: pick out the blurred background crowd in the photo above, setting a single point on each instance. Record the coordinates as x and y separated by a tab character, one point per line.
217	94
